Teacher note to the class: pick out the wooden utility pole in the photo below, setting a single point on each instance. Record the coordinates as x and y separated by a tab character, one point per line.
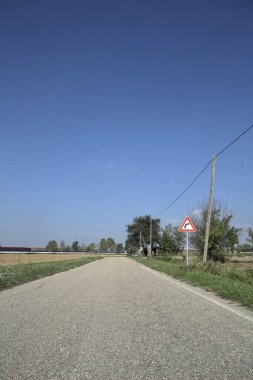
150	250
209	212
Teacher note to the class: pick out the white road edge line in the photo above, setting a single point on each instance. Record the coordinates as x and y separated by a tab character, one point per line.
245	313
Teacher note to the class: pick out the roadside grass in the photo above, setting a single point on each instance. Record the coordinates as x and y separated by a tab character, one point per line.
12	275
227	282
31	257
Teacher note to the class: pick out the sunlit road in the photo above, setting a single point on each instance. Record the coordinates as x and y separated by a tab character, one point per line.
116	319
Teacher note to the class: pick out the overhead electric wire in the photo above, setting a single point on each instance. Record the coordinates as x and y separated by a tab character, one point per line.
232	142
192	182
205	167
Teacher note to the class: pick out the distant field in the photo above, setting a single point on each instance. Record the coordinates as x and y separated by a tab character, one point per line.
22	268
23	258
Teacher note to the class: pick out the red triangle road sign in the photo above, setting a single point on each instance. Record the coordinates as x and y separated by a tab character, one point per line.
187	226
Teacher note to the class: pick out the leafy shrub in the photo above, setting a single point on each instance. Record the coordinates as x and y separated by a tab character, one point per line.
209	267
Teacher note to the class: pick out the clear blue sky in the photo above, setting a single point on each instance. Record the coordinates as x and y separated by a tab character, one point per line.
108	109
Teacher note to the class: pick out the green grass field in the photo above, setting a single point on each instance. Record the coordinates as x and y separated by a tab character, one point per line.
12	275
227	282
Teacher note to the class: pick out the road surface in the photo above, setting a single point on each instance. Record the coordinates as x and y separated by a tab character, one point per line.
116	319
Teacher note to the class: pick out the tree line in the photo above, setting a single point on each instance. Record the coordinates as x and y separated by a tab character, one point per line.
223	238
106	244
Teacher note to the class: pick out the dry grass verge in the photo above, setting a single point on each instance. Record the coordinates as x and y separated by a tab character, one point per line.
28	258
16	274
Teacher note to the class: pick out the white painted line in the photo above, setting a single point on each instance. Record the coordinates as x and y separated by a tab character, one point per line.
211	297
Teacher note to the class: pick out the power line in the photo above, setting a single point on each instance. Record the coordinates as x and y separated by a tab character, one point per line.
204	168
192	182
232	142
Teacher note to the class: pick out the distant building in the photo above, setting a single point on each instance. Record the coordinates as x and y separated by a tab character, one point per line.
14	249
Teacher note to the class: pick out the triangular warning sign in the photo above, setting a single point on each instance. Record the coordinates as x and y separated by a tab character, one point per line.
187	226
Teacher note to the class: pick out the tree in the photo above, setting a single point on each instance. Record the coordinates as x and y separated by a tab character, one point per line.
223	237
110	244
52	246
166	242
91	247
119	248
246	247
172	241
75	246
103	245
62	246
250	236
142	224
106	244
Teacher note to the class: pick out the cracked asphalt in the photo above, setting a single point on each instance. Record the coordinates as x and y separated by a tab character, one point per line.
116	319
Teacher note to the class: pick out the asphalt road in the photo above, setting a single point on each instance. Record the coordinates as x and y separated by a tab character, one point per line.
116	319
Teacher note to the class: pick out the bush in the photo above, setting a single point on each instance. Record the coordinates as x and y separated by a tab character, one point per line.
209	267
243	276
222	235
164	257
217	255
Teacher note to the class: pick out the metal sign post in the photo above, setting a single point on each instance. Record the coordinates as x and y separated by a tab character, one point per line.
187	226
187	251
